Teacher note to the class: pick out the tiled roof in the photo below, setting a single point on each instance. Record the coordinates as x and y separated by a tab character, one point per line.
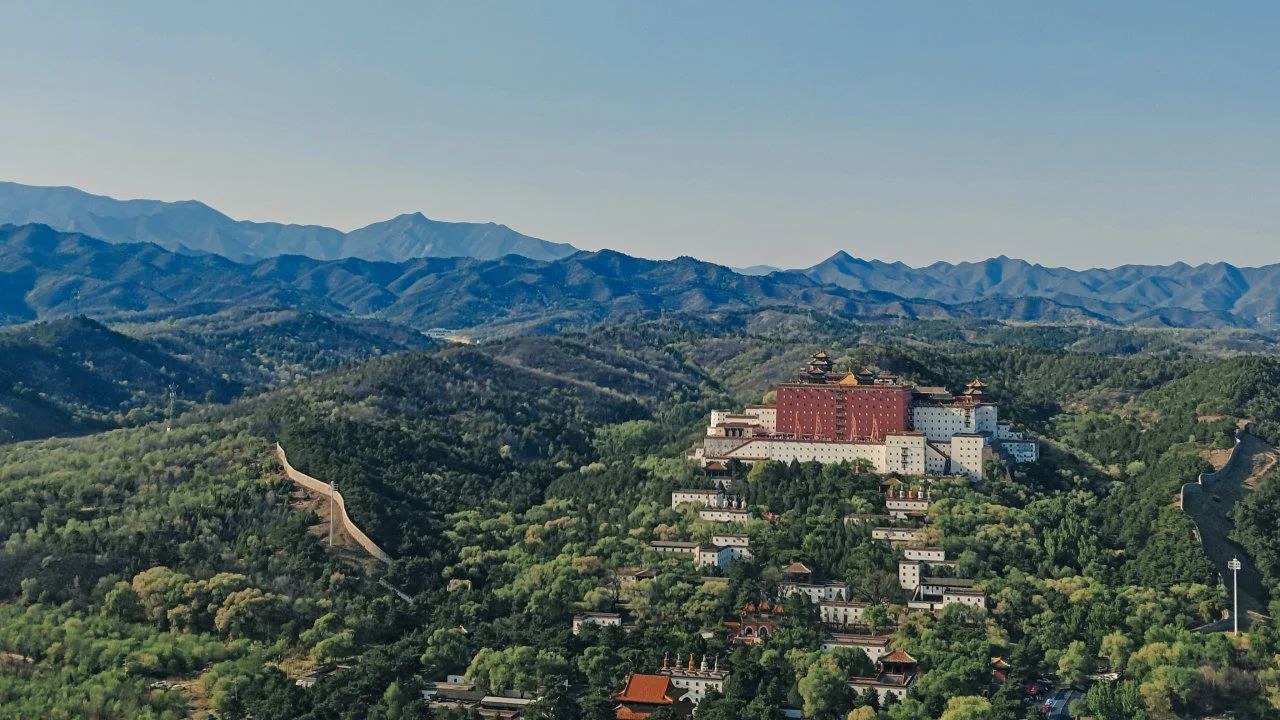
647	689
897	656
947	582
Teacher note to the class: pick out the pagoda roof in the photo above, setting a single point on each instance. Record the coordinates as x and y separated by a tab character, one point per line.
898	656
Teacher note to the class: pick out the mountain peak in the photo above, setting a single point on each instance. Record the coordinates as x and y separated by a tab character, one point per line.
190	225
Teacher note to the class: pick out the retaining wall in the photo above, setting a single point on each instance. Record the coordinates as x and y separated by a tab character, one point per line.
326	491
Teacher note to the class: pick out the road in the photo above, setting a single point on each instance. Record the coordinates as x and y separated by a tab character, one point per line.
1062	699
1062	710
1213	519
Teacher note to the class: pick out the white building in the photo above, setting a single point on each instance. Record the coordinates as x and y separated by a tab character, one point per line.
841	612
898	452
903	504
927	554
696	680
738	546
724	515
935	593
865	518
875	646
949	435
696	496
600	619
816	592
675	547
713	556
896	534
939	421
909	574
968	451
1021	451
716	505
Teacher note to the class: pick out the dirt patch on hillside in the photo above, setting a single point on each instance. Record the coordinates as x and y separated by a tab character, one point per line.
1216	458
343	544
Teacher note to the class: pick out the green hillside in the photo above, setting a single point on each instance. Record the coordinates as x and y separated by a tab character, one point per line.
510	480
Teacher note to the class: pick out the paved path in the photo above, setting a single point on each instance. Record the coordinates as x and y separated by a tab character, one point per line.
1210	507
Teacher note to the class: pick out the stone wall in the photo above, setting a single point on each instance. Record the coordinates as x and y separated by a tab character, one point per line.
1214	475
326	491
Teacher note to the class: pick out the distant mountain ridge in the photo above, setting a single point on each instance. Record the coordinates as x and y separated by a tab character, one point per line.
1178	295
193	227
1250	294
45	273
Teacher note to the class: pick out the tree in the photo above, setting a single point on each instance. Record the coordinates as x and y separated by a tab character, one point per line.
555	704
878	619
158	589
1115	701
250	613
446	649
121	602
602	666
1116	648
520	668
967	707
1073	663
862	713
824	689
1155	694
339	645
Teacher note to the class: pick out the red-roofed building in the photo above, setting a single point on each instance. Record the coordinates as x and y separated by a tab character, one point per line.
645	694
755	624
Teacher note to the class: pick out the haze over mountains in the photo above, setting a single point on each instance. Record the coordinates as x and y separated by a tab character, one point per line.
180	257
191	226
1250	294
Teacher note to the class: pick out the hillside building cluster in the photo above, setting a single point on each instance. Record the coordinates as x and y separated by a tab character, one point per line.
827	416
928	577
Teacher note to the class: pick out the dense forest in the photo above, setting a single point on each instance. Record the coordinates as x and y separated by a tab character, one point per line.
154	574
75	375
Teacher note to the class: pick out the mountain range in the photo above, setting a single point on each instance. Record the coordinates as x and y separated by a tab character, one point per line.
194	227
46	273
1249	294
426	273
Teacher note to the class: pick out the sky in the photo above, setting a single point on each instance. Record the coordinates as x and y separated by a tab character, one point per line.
1081	134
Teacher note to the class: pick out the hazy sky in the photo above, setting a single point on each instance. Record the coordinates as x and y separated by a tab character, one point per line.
1080	134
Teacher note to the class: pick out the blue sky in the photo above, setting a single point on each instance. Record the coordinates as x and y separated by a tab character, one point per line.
1078	134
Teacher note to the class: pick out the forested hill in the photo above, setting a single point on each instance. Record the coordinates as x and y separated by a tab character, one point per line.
512	480
45	273
415	436
75	375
